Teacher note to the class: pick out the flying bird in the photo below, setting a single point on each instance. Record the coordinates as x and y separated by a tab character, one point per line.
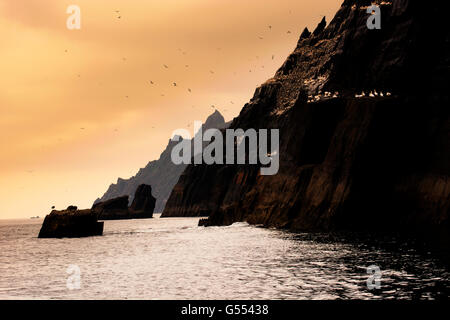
189	89
151	82
174	84
166	66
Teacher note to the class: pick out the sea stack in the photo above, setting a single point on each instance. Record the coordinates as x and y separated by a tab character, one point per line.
117	209
71	223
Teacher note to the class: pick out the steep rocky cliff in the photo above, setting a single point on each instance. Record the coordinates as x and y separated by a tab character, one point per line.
364	131
161	174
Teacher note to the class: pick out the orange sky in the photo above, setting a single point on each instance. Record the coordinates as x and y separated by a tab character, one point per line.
55	81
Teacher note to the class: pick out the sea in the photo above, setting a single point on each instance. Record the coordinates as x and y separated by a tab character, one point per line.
155	259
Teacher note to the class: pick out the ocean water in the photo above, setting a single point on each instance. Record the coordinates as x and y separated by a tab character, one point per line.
175	259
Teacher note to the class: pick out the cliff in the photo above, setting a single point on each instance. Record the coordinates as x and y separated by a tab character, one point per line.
71	223
364	131
161	174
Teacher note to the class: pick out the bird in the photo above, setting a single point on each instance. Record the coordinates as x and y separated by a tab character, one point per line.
151	82
212	72
187	66
260	38
273	56
53	207
174	84
119	17
289	32
189	89
166	66
270	27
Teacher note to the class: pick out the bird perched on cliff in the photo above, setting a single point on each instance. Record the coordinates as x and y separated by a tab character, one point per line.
53	207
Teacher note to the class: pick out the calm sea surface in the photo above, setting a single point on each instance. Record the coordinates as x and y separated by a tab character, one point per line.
175	259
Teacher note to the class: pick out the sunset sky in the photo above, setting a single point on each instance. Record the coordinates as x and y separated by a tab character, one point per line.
77	106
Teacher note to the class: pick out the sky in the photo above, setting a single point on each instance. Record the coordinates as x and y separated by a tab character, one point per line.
78	109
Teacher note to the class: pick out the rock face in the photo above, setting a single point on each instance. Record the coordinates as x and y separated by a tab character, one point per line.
378	160
143	202
117	209
161	174
71	223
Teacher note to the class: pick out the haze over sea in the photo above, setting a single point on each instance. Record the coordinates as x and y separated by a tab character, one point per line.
175	259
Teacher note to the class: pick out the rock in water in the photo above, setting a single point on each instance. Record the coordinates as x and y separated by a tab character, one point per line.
117	208
71	223
375	163
143	202
112	209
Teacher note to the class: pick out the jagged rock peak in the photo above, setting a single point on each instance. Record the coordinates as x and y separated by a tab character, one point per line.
305	34
320	27
214	120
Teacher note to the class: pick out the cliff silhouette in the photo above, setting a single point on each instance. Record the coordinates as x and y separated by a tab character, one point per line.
161	174
364	132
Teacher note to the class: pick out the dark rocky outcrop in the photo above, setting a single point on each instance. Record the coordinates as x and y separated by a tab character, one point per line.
71	223
117	208
143	202
347	161
161	174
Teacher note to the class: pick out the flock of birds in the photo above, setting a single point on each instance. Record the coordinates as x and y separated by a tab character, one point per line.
373	94
329	95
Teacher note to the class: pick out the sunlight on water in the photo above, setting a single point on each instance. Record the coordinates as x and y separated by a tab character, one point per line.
175	259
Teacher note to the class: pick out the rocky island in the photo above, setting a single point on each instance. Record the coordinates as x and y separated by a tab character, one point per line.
71	223
74	223
117	209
